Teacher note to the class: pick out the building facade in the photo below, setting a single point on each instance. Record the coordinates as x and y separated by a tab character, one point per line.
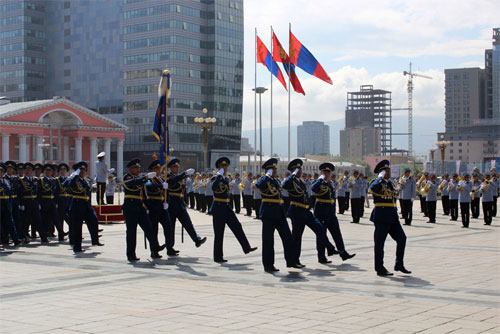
357	143
472	120
108	56
313	138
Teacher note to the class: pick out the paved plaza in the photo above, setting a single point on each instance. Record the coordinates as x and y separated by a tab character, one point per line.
454	287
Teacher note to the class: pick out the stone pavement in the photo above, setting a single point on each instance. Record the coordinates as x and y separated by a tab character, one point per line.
454	287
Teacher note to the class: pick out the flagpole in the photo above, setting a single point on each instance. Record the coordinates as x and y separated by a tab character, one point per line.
255	107
272	92
289	74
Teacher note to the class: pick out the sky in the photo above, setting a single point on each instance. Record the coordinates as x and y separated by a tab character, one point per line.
368	42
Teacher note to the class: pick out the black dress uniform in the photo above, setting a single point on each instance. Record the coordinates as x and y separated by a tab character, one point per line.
48	210
63	200
134	211
14	185
324	210
273	218
177	207
300	214
29	206
157	207
386	220
80	208
7	226
223	214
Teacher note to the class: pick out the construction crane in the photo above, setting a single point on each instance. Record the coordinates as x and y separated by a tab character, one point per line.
410	75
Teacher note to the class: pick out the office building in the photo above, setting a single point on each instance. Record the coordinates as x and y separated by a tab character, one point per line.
313	138
108	56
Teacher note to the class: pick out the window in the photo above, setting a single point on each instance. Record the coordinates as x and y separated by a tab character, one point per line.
67	32
459	144
67	86
67	45
67	73
67	59
67	4
67	18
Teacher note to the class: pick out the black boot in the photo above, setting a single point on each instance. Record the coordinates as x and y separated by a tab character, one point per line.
200	241
346	256
384	272
400	267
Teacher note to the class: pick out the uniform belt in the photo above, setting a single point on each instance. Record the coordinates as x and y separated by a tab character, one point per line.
156	197
29	197
64	195
48	196
14	196
392	205
223	200
81	197
271	200
133	196
176	194
329	201
305	206
4	197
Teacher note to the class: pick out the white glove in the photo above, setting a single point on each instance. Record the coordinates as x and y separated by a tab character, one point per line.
57	206
269	172
295	171
322	177
78	171
111	170
190	171
151	175
412	199
21	208
165	206
39	207
221	172
165	185
381	174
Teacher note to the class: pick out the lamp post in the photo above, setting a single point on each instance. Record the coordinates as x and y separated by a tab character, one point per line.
432	150
442	144
205	124
260	91
45	147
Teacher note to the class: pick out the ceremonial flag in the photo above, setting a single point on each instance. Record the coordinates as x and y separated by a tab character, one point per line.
160	125
264	57
304	59
458	166
280	55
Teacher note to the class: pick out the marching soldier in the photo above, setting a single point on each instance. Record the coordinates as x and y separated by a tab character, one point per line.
445	194
257	198
29	206
63	198
158	208
363	192
475	194
347	190
453	197
176	206
134	210
209	194
80	208
324	210
190	191
284	194
356	187
495	184
38	170
102	172
235	193
14	185
386	220
486	191
465	187
273	218
223	214
202	190
48	210
300	214
420	184
407	190
7	226
431	198
247	195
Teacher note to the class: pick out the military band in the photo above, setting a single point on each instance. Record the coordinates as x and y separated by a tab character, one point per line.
37	200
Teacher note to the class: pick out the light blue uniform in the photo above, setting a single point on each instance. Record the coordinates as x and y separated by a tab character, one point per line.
432	193
464	194
452	190
408	189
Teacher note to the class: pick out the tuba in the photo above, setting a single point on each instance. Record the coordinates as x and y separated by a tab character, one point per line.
243	182
441	186
424	191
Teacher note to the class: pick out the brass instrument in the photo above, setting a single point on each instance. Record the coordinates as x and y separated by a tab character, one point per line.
425	190
420	184
441	186
450	185
196	183
402	180
459	187
485	185
472	195
243	182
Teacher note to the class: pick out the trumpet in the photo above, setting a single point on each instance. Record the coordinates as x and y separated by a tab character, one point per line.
485	185
243	182
402	180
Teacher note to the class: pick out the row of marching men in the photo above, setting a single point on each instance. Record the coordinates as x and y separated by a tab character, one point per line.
458	192
37	200
151	199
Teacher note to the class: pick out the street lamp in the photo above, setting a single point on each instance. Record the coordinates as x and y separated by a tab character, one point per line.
205	124
442	144
432	150
260	91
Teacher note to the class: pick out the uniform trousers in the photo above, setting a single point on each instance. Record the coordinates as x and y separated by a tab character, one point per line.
407	210
222	216
488	212
465	211
268	228
454	209
395	230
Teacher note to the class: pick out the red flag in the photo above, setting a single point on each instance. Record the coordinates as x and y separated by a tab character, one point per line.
280	55
264	57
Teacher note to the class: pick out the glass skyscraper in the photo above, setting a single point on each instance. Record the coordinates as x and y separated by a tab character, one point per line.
108	56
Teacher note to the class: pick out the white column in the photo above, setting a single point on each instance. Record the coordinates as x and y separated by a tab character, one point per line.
119	159
107	150
78	149
66	149
39	151
5	147
93	154
23	148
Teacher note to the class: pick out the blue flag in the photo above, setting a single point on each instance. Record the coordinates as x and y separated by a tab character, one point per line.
160	125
